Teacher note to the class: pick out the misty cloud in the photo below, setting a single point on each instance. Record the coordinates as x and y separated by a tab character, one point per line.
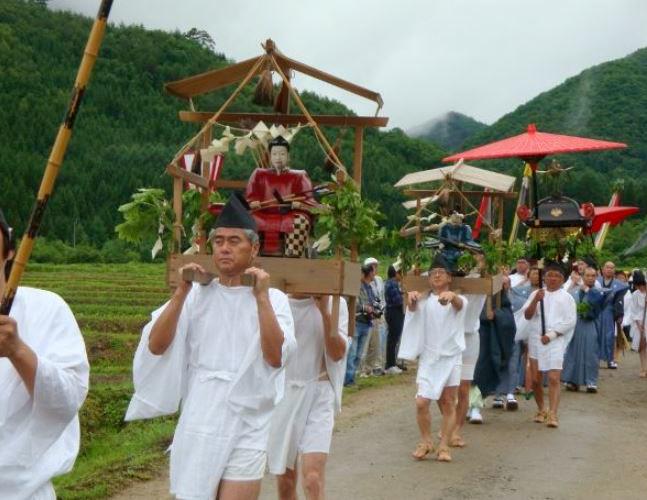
482	58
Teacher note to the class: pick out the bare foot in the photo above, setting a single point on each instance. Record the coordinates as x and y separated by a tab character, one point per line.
422	450
444	455
457	442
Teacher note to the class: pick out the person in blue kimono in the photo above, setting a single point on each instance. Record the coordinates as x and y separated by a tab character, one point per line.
612	311
581	360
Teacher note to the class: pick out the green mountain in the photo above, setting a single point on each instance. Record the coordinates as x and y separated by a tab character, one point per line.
450	130
127	129
607	101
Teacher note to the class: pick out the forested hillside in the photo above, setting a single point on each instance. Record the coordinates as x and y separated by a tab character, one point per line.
450	130
127	129
608	101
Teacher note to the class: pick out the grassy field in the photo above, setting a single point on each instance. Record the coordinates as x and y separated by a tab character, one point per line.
111	304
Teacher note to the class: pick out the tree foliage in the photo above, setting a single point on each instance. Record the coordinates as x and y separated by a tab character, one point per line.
127	129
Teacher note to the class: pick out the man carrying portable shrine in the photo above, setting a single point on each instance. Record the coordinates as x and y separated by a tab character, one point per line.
44	375
434	332
303	421
219	350
280	199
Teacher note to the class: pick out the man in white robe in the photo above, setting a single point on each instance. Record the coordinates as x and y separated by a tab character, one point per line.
220	350
470	356
303	421
43	382
434	332
547	349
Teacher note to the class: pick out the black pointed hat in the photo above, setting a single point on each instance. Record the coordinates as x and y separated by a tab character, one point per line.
235	213
590	261
553	265
279	140
440	262
638	278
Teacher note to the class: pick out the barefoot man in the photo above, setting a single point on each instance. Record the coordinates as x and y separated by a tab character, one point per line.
219	350
303	421
434	332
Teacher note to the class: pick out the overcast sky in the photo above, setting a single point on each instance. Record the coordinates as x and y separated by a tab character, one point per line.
426	57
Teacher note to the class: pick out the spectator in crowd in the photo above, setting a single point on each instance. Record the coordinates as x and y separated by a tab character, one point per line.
376	344
363	322
394	318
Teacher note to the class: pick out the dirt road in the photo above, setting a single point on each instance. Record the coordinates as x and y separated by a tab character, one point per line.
599	451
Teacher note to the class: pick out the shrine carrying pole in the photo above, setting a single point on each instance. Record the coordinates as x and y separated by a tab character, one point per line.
57	155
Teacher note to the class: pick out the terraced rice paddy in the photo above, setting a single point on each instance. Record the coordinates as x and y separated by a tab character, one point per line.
111	304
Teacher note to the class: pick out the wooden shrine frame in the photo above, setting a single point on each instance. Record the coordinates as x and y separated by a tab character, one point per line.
334	277
500	187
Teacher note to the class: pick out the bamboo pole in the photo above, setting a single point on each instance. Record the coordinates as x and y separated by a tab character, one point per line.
57	155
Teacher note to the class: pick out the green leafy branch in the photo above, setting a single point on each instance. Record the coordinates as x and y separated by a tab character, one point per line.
150	215
348	219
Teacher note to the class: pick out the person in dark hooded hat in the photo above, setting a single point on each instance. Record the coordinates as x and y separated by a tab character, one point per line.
434	333
219	351
44	374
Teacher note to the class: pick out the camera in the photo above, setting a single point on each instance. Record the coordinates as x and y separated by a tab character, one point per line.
378	308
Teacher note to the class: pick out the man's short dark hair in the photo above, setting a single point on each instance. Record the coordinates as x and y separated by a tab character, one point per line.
367	269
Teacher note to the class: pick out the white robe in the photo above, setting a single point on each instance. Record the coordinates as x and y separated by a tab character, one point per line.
560	314
302	374
215	368
435	334
637	314
626	303
40	435
475	305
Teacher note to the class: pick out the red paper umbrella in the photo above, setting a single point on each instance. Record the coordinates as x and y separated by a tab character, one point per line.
532	146
612	215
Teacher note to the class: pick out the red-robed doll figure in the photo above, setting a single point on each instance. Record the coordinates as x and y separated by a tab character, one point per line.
280	199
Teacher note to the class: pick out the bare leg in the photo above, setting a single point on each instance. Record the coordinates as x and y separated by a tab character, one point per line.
461	411
314	473
643	359
553	390
448	403
238	490
286	484
537	384
423	417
